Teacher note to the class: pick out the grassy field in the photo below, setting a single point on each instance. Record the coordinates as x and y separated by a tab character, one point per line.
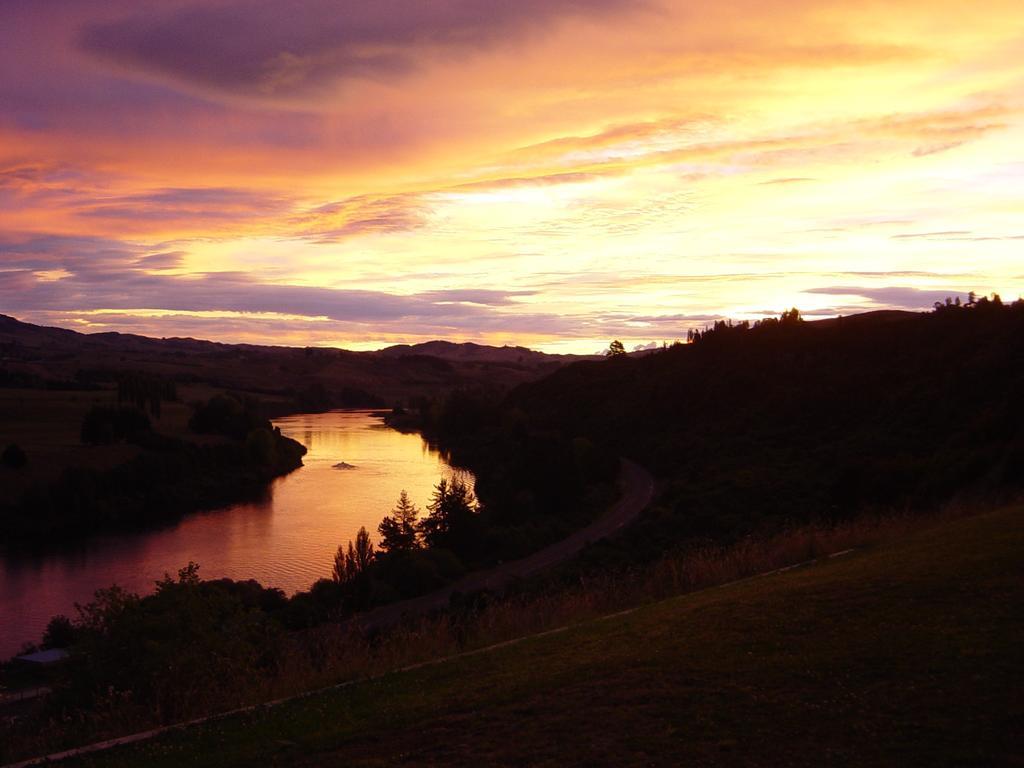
47	424
905	653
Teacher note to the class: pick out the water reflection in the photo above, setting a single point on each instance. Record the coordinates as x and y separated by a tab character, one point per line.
286	539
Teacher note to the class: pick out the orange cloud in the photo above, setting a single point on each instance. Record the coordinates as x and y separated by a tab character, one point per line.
618	167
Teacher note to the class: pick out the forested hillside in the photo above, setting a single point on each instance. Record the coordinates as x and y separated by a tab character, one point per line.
755	427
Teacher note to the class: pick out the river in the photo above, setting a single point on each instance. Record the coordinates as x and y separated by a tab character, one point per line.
286	540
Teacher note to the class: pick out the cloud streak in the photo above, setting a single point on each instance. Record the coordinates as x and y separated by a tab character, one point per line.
892	297
266	49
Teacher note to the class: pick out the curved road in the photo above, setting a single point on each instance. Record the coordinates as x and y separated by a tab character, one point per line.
637	487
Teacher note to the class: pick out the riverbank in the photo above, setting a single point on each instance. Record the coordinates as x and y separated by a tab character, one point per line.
285	538
74	486
105	645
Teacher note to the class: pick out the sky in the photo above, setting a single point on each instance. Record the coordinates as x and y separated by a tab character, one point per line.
551	173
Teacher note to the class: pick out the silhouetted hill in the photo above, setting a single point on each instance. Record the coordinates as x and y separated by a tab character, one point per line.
469	351
875	318
754	428
308	378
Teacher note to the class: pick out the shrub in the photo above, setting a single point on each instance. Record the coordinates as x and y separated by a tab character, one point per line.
60	633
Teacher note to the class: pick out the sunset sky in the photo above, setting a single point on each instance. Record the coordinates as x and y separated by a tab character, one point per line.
553	173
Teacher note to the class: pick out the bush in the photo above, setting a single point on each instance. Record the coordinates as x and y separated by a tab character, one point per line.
60	633
189	646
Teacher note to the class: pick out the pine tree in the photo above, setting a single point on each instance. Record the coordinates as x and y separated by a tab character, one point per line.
398	530
351	562
452	515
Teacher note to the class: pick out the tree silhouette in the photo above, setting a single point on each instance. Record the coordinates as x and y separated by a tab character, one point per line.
452	515
790	317
60	632
351	562
398	530
615	349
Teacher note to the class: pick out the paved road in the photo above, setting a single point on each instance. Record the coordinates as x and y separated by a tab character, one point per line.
637	488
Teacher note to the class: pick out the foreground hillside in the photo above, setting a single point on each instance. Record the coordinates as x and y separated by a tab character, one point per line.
905	653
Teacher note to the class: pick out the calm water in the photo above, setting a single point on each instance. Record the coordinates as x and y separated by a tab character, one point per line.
287	540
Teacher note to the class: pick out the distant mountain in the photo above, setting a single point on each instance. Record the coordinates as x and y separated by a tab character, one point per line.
311	377
447	350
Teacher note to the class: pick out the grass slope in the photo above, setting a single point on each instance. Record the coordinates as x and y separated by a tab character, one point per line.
905	654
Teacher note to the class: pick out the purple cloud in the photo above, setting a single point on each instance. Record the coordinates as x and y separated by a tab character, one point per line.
105	275
266	48
164	260
89	257
893	297
194	204
480	296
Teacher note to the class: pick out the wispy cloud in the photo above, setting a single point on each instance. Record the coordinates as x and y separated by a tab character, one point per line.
892	297
361	215
264	49
789	180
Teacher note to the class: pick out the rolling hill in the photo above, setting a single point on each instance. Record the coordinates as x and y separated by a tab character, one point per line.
310	378
760	428
904	653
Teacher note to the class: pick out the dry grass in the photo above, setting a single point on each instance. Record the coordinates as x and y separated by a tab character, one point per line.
332	654
906	653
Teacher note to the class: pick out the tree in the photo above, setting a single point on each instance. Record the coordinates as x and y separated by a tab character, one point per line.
229	415
351	562
398	530
790	317
615	349
187	577
145	390
60	633
452	517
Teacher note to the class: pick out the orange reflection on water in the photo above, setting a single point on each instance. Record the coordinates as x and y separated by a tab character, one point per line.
285	540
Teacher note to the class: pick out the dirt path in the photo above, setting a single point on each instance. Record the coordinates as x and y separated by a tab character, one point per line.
637	488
